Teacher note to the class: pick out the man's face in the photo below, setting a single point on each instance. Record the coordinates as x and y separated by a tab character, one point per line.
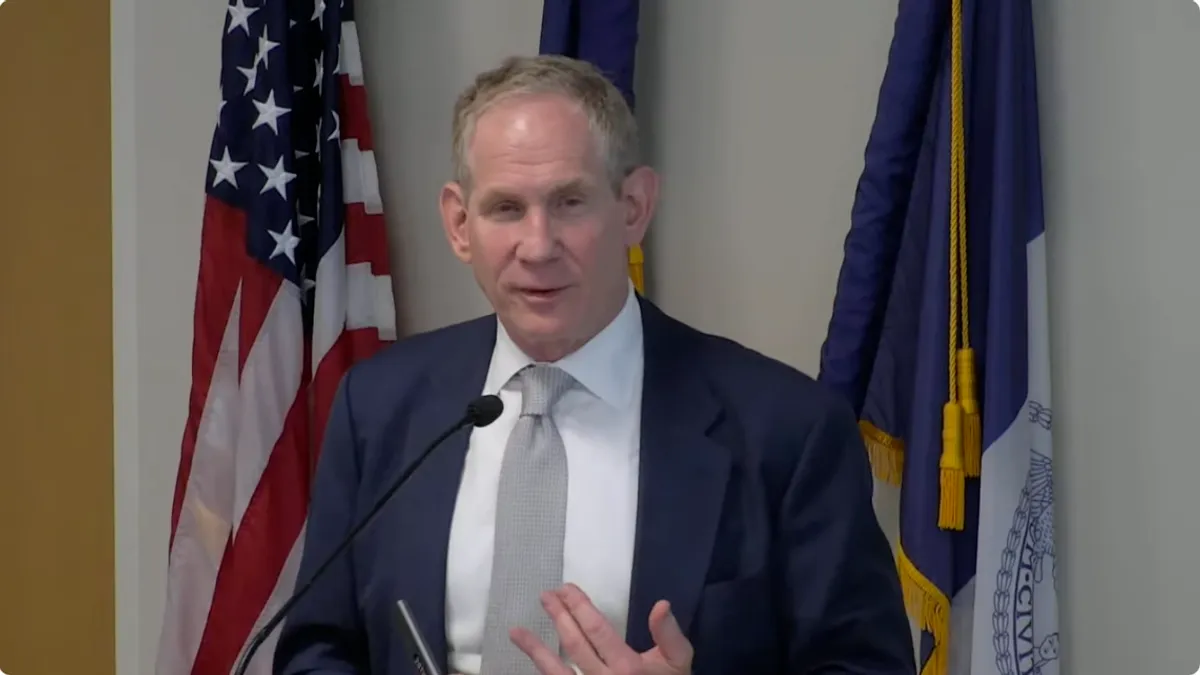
542	227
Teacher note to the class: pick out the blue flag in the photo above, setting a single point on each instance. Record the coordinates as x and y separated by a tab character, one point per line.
605	34
939	334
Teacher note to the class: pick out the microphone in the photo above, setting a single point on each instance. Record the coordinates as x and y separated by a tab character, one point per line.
480	412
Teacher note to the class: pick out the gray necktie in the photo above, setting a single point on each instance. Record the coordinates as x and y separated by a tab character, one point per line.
531	510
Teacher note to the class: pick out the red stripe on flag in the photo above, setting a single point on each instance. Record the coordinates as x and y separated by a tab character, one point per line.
266	534
260	285
367	239
354	114
351	346
222	257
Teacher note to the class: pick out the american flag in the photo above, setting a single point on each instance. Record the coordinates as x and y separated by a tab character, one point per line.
294	287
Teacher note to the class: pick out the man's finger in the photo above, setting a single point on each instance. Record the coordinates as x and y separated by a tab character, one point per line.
609	645
546	661
574	642
674	646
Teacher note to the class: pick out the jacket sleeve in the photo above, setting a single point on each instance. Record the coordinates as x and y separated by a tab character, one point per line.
845	611
322	634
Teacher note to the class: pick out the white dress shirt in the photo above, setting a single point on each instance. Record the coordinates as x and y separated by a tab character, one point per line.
599	421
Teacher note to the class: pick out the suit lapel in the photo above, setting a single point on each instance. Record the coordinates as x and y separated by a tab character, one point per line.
682	480
425	506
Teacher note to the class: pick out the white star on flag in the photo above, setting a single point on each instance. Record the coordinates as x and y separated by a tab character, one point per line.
226	169
307	285
319	14
277	178
265	45
251	77
269	113
239	16
337	127
285	243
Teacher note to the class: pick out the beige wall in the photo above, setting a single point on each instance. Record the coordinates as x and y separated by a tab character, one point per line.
165	59
1123	199
757	113
56	380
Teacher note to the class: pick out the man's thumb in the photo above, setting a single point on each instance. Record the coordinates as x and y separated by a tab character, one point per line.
672	643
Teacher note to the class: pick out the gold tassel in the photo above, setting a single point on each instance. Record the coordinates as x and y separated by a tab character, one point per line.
953	465
637	261
929	608
972	431
952	507
972	426
885	451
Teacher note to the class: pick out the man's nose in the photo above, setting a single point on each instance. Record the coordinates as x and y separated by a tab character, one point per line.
539	239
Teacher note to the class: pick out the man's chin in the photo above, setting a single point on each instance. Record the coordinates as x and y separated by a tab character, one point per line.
542	328
544	337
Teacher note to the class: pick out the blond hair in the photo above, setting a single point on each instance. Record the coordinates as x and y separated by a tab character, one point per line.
609	116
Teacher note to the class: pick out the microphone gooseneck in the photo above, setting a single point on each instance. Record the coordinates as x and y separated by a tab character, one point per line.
480	412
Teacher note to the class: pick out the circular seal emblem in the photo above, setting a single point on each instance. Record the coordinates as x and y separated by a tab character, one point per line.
1026	564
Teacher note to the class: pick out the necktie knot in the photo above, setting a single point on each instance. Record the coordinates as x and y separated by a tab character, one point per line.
541	387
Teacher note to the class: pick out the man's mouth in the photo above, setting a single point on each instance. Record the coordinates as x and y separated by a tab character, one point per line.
540	293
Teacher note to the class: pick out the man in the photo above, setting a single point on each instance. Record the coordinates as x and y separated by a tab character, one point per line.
652	500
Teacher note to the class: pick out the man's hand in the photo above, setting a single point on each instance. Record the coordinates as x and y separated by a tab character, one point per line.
594	645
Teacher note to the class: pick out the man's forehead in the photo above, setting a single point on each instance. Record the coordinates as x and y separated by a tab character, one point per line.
534	144
532	126
532	112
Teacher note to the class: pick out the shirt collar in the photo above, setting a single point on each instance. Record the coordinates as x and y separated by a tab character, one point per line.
606	365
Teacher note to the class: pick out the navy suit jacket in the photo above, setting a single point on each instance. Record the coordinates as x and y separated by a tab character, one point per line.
754	515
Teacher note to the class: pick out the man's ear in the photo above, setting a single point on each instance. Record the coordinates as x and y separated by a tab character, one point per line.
639	195
453	205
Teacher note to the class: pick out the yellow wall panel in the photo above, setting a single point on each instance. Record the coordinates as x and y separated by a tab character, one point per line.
56	379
